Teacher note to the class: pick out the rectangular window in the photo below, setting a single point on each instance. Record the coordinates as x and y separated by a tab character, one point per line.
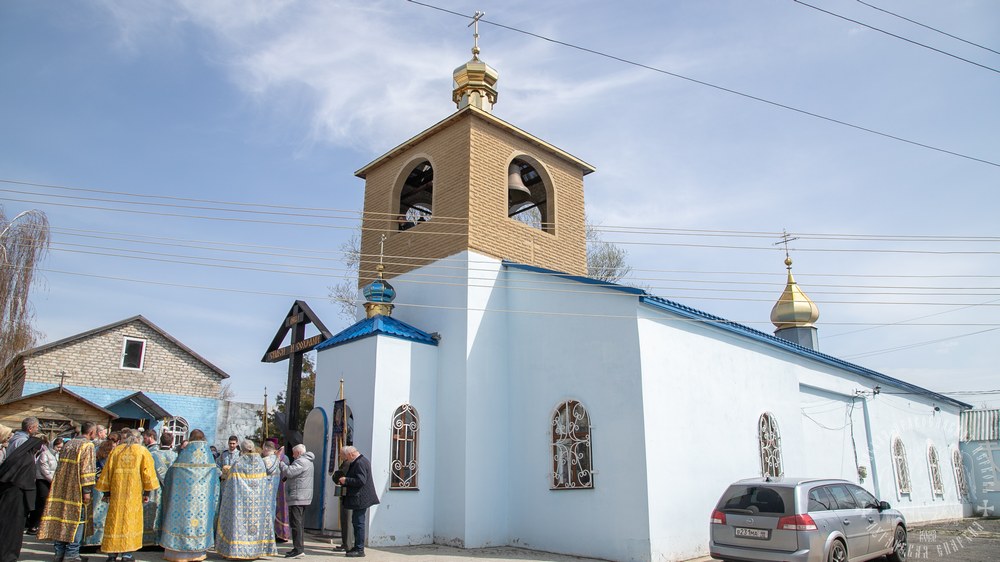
133	353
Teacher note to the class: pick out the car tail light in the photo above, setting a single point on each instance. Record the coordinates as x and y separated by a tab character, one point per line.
797	523
718	517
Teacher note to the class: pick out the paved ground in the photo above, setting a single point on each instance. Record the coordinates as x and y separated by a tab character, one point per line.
963	540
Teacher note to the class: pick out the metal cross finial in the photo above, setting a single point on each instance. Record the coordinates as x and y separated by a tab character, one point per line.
381	249
785	239
62	378
475	33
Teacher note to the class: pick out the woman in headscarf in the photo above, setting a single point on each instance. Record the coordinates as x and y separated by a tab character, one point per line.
45	468
5	433
17	496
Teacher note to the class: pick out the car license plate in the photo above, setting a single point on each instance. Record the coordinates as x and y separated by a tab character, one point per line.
748	533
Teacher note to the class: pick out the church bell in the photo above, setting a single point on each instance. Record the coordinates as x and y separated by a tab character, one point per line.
517	192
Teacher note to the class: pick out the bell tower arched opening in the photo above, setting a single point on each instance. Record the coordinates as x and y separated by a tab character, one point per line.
528	200
416	197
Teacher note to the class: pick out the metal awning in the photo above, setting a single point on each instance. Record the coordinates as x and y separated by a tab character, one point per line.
144	403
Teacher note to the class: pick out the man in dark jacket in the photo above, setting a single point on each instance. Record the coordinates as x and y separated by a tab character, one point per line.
360	495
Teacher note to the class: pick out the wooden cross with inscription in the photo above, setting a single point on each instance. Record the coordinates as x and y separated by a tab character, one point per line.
295	322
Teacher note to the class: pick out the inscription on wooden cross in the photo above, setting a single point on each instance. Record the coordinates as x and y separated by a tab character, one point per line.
295	322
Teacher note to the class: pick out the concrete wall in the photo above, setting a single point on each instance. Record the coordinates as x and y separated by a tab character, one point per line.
236	418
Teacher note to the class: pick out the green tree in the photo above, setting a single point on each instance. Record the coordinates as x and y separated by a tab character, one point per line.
24	241
306	401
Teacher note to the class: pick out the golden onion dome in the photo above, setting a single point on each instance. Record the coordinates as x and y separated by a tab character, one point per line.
475	81
793	309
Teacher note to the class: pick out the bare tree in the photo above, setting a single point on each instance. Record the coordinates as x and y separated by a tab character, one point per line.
345	293
226	392
24	241
605	261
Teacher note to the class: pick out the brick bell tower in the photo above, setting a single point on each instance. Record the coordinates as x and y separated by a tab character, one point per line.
474	182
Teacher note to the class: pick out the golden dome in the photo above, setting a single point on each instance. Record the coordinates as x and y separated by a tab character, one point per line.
793	309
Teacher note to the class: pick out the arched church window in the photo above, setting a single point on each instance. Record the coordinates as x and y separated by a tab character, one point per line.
961	484
416	198
572	464
900	466
769	439
934	466
405	430
527	195
177	428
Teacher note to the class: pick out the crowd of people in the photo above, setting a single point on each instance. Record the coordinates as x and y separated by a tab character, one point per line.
128	489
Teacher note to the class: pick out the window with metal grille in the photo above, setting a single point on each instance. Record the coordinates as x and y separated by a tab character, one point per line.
769	440
961	483
934	465
177	428
900	466
405	430
572	463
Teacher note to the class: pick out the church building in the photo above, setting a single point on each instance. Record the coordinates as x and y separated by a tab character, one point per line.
504	398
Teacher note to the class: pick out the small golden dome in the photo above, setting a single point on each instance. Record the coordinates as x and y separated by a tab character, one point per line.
793	309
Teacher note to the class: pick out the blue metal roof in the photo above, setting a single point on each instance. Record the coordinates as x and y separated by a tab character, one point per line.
378	325
745	331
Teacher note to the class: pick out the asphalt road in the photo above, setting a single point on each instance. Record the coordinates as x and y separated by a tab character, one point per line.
962	540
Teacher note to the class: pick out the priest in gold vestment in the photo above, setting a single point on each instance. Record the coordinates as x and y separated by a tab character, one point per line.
127	479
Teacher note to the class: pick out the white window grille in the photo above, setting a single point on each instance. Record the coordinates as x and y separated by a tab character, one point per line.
769	439
572	463
177	428
405	430
900	466
133	353
934	465
961	484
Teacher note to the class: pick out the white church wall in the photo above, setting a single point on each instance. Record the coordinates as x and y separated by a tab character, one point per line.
471	510
836	422
704	392
579	342
353	362
406	373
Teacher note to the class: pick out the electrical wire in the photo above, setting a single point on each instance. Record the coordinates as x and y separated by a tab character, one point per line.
917	344
715	86
894	14
900	37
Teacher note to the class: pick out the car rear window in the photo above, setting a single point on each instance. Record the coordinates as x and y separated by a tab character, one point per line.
752	499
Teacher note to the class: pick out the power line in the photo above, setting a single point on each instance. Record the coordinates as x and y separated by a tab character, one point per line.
894	14
900	37
716	86
918	344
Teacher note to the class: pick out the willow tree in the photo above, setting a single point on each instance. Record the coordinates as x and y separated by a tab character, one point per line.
24	241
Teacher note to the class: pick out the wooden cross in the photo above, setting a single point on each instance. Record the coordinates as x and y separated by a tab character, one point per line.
62	378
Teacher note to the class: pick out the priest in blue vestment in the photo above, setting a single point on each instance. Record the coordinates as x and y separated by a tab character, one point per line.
245	530
189	502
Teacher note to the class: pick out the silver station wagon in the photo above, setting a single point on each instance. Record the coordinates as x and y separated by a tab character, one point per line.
804	519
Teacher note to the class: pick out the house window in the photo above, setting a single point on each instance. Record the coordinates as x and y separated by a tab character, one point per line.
416	198
769	440
961	483
405	430
176	428
527	195
572	465
133	353
934	465
899	465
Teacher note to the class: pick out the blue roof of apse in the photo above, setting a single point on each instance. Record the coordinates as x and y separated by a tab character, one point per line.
745	331
378	325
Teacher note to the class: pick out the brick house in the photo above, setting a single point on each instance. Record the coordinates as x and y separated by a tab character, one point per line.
132	368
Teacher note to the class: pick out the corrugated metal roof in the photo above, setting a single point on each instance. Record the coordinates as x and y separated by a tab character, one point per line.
746	331
378	324
979	425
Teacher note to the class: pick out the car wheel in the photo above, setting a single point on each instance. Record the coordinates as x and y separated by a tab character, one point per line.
838	552
898	546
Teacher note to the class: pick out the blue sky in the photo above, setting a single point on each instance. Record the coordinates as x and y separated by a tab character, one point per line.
276	104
